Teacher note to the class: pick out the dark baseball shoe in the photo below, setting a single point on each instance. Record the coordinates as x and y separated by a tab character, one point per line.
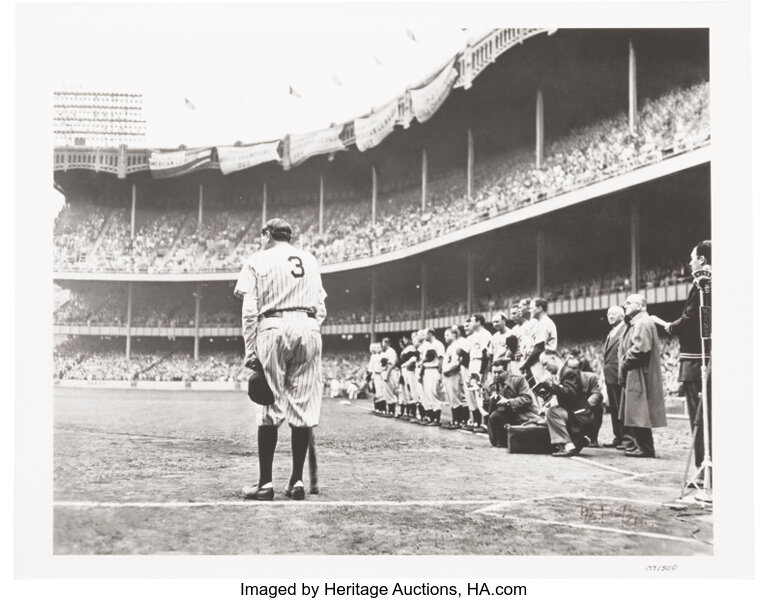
254	492
296	492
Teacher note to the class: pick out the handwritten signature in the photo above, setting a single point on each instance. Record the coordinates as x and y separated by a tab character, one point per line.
623	514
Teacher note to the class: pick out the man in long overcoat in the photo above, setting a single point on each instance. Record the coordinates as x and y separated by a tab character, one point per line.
642	402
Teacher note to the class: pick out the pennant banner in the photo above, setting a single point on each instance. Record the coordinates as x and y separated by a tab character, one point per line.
371	130
302	146
181	162
426	100
237	158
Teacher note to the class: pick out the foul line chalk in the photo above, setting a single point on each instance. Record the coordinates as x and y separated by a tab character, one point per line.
214	503
647	534
602	466
568	496
507	503
640	475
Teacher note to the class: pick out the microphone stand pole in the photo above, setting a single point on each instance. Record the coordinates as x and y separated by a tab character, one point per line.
703	280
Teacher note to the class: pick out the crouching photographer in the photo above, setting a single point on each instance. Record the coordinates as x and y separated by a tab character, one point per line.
570	418
510	402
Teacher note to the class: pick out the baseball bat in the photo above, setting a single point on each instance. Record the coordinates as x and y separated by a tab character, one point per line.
313	489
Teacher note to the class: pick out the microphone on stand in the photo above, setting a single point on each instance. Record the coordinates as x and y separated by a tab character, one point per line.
702	279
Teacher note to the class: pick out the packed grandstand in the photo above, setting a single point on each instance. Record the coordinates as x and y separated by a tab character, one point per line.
204	224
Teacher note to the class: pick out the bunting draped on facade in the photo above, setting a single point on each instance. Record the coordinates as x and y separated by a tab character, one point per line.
179	162
237	158
301	146
366	132
371	130
427	99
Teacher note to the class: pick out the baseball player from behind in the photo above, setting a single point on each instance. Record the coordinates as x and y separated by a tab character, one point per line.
283	308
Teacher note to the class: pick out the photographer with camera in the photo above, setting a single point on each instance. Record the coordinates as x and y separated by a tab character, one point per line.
510	402
570	418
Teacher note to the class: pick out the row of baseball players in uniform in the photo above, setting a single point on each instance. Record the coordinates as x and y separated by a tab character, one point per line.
428	372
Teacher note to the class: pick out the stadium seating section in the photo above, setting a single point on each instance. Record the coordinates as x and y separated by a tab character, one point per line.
91	237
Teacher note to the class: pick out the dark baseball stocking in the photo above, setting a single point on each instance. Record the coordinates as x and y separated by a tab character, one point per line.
267	441
299	445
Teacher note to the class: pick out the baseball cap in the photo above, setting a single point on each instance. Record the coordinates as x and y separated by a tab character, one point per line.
279	228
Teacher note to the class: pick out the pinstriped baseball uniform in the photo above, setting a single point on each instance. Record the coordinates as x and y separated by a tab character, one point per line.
389	385
452	384
408	367
477	341
286	279
374	366
431	384
463	344
497	347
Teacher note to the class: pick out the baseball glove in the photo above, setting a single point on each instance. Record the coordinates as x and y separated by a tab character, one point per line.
258	388
430	355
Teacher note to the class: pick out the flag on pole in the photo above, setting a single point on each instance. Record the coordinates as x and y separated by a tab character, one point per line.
293	92
410	35
188	104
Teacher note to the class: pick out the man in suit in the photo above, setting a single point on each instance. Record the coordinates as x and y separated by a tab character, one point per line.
591	385
687	328
511	402
611	373
642	402
569	416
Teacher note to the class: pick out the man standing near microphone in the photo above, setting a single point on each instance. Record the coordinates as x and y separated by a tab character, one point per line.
687	328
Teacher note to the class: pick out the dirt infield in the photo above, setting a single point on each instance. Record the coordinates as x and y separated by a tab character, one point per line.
141	472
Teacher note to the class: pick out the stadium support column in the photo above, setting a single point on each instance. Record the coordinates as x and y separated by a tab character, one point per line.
128	322
264	205
423	294
373	306
539	129
423	179
322	194
539	262
634	241
470	281
197	322
133	210
470	162
374	193
200	205
632	90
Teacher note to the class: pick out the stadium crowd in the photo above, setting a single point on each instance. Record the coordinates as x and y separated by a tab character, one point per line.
97	306
89	239
98	359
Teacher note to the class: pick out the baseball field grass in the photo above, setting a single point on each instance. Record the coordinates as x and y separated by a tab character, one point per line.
149	472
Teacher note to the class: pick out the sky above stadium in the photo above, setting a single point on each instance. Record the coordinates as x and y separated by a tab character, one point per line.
220	74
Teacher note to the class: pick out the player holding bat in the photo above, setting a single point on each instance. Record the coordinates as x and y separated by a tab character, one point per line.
283	308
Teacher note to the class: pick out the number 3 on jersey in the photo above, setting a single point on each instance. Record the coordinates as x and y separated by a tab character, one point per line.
299	270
